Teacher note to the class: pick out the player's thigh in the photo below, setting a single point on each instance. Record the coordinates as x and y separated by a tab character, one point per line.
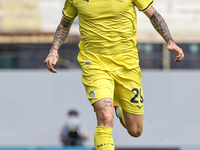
129	91
129	95
98	85
134	123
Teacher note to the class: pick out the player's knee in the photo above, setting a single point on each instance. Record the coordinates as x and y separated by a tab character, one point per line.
106	119
135	132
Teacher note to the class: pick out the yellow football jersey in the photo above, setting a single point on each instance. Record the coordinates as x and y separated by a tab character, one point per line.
108	31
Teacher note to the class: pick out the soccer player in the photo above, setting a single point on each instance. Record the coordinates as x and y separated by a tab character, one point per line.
109	60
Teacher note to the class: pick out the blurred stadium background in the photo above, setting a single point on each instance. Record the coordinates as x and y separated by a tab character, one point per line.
33	102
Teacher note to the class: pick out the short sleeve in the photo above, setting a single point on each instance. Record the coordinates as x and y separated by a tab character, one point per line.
143	5
69	10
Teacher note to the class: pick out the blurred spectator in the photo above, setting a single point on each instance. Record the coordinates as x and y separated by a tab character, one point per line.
73	132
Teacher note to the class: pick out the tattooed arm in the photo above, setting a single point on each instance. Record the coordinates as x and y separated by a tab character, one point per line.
59	38
161	27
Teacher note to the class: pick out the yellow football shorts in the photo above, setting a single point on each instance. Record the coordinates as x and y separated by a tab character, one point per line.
123	86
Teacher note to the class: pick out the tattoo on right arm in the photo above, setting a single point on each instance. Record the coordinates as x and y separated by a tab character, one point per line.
61	33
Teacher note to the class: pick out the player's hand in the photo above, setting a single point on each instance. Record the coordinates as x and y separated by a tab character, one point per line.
171	46
51	60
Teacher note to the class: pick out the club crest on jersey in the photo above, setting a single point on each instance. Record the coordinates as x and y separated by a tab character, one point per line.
92	93
86	0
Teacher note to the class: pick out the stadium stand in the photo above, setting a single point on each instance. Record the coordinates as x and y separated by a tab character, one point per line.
20	16
35	21
182	16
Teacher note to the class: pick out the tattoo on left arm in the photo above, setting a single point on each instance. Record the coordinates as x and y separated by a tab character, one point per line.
161	27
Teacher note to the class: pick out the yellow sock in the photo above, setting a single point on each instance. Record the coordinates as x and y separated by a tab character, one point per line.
121	115
103	138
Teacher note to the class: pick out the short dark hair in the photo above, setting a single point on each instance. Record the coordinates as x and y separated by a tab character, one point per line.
73	112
